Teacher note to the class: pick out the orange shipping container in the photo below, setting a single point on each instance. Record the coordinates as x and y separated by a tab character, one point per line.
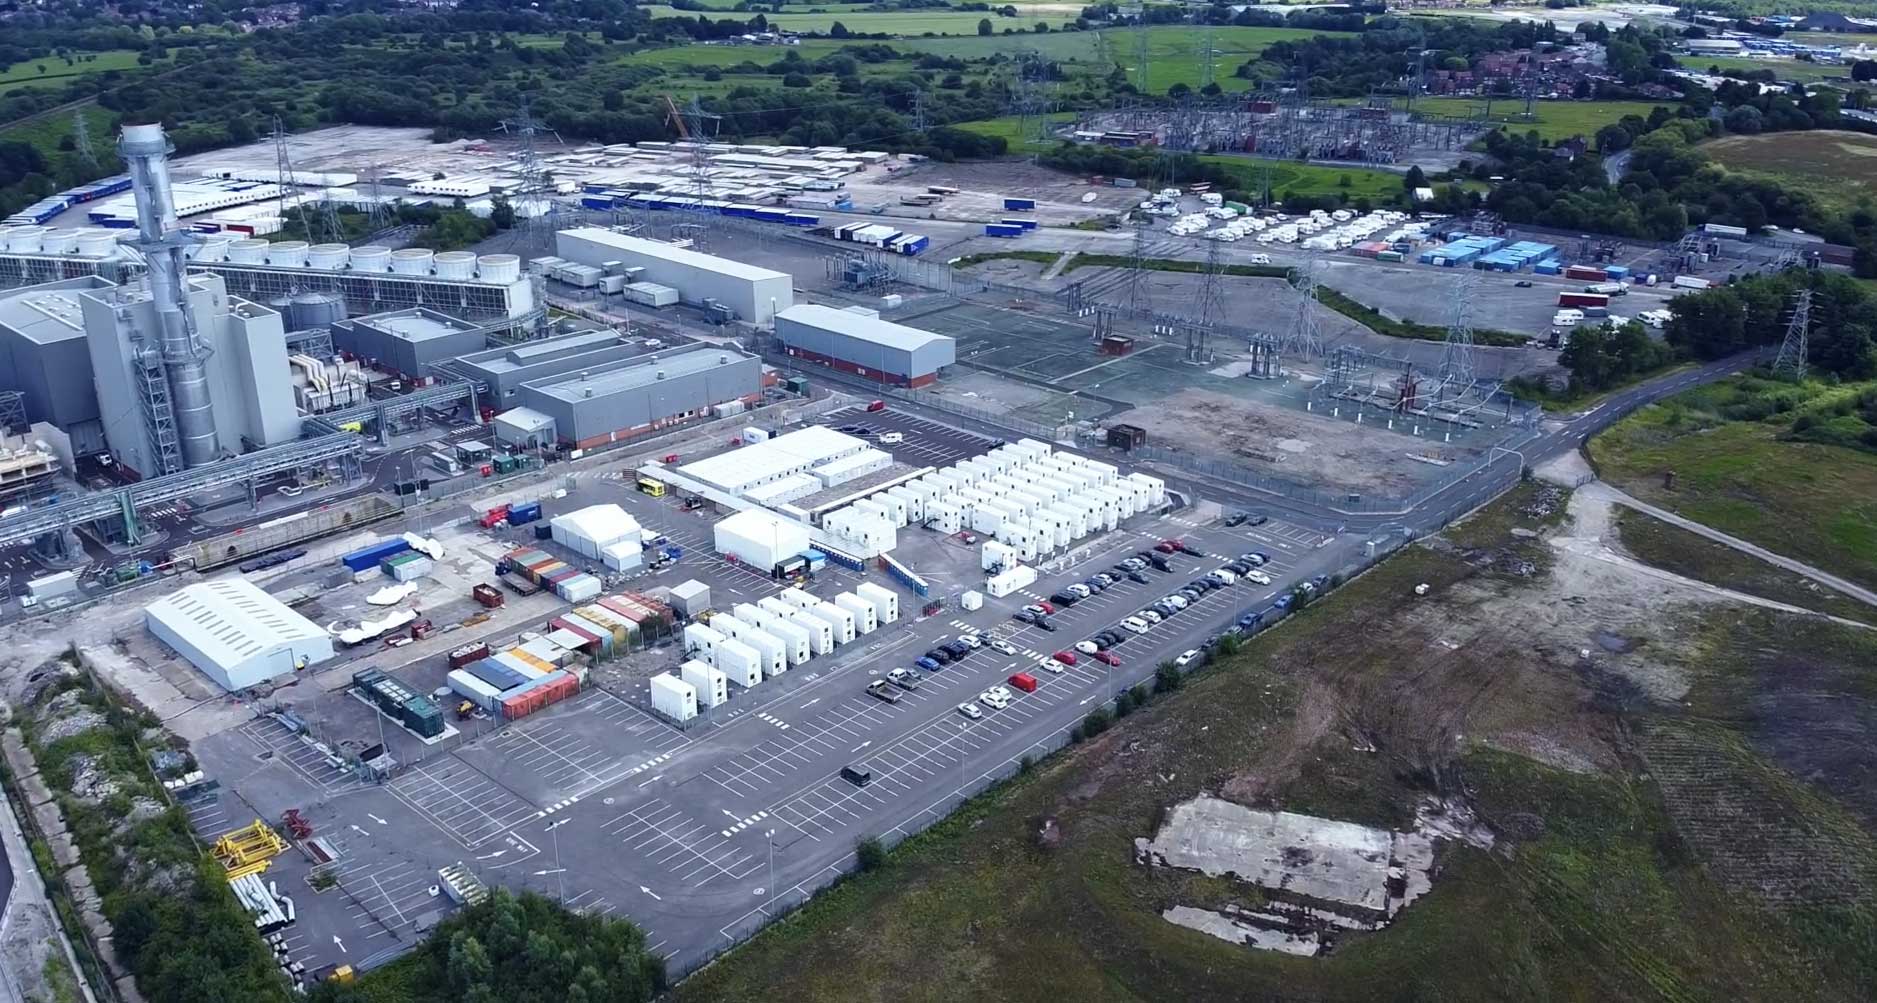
539	663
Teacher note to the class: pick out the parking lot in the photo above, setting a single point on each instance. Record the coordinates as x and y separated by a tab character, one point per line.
601	802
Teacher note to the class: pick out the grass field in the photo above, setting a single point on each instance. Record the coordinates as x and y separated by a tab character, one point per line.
1554	120
897	23
1811	502
1173	54
1590	894
1837	167
57	71
1672	548
1787	69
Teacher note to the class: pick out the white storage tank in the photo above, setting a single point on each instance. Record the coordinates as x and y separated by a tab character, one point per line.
247	252
459	266
499	267
673	697
212	249
885	601
371	258
739	662
866	619
287	254
412	260
328	257
712	686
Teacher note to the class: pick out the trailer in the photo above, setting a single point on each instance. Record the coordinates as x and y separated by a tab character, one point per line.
1002	230
1024	205
1583	299
1690	282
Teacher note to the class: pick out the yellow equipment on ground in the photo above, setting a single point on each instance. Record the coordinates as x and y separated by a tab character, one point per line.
241	849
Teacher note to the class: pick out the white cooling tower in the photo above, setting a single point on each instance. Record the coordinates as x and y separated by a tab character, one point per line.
499	267
328	257
411	261
287	254
212	249
100	243
371	258
247	252
458	265
26	239
59	240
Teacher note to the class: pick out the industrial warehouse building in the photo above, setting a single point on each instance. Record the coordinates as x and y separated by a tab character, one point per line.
861	343
408	343
43	355
594	407
741	471
504	370
235	633
755	294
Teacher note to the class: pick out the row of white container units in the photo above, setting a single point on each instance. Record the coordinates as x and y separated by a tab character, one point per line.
754	642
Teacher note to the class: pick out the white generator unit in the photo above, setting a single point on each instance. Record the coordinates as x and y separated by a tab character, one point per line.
866	619
885	601
739	662
712	686
794	639
971	600
673	697
699	638
839	621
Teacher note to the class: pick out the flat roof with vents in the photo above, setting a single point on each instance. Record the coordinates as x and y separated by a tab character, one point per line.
235	633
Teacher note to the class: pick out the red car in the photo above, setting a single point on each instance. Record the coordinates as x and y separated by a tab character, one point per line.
671	458
877	406
1065	657
1048	607
1107	658
1024	681
1167	546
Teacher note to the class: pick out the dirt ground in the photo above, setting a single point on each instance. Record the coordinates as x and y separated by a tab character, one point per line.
1292	444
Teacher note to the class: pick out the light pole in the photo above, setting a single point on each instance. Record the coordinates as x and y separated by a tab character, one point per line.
770	836
560	881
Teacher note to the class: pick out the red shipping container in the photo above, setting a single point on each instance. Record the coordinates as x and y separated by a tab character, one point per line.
593	640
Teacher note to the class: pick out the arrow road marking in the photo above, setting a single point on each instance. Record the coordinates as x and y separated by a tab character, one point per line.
811	703
492	856
863	745
341	943
655	896
376	819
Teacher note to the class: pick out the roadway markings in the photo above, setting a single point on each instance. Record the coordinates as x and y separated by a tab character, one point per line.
460	800
692	851
322	770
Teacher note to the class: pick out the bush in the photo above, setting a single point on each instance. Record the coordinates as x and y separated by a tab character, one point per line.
1140	694
1167	677
1024	764
871	853
1075	735
1096	722
1124	704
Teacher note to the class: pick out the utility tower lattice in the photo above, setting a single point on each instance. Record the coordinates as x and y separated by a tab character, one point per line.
1456	358
1304	338
533	200
1139	13
918	112
288	184
1140	297
1794	350
1208	57
13	413
81	139
1212	287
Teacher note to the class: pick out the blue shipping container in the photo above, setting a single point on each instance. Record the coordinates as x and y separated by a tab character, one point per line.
366	558
522	514
1002	230
1010	203
496	674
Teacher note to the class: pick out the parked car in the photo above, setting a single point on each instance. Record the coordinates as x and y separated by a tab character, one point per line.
893	438
1151	616
1257	578
1187	657
859	776
970	710
957	649
1186	548
1024	681
1004	647
1079	590
903	678
927	664
1259	520
971	640
1047	624
1167	546
1135	624
940	655
879	690
1065	598
1087	647
1255	559
1135	576
994	699
1026	615
1283	601
1065	657
1236	519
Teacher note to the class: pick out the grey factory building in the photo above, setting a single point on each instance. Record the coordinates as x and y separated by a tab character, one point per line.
596	406
43	355
754	294
504	370
857	341
408	343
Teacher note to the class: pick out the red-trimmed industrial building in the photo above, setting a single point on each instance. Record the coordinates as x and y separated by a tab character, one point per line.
857	341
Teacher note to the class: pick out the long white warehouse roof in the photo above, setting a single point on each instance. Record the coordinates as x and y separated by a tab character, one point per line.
675	254
855	325
784	454
231	620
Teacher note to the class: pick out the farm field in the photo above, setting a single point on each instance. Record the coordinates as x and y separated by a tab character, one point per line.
1554	119
1631	858
1172	56
1805	500
1787	69
897	23
1838	167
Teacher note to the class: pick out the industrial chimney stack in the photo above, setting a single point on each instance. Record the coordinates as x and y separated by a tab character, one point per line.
162	240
